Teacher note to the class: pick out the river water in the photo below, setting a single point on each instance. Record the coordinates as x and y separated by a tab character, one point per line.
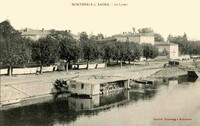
169	102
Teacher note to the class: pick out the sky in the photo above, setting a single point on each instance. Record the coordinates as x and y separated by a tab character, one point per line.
163	16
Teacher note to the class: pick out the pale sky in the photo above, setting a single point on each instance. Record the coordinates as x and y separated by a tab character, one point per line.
164	16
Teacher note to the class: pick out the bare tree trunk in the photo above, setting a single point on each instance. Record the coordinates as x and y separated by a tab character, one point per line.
129	62
87	64
121	63
146	62
41	67
108	61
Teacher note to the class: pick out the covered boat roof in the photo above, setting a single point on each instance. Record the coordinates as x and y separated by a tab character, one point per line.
99	79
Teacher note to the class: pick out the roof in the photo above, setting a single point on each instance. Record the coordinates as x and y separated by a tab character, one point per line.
133	34
28	32
164	43
99	79
107	40
34	32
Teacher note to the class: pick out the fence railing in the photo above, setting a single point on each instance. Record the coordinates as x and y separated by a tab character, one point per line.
34	70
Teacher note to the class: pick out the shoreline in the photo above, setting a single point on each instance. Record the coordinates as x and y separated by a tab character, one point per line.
34	89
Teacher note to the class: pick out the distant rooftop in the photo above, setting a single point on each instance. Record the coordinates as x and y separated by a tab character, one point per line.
130	34
107	39
36	34
163	43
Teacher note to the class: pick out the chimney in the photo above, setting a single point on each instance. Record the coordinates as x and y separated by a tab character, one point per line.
42	29
26	29
133	28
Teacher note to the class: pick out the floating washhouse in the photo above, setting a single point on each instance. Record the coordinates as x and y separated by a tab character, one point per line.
95	85
97	102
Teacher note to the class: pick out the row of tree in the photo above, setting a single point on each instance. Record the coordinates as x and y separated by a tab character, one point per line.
16	51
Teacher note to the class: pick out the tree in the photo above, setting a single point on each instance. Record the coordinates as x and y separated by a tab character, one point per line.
130	51
164	52
90	48
185	38
158	37
45	51
2	41
119	52
145	30
138	51
69	49
100	36
107	51
133	51
13	47
149	51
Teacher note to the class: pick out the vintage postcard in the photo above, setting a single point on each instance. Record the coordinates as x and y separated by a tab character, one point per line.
99	63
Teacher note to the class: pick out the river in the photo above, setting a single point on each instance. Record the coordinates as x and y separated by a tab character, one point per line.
170	102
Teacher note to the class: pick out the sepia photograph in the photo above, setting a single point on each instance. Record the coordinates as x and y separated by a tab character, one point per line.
99	63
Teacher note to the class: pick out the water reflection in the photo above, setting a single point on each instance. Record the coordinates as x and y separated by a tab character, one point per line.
107	101
66	110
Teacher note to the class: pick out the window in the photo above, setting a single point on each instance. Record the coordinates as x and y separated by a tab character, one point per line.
73	86
82	86
82	106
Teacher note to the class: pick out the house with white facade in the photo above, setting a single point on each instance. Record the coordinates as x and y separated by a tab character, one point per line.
135	37
172	49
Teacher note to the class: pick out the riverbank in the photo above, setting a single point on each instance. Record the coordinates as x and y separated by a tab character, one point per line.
29	87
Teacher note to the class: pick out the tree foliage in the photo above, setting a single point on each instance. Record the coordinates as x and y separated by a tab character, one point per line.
145	30
16	50
45	51
13	46
149	51
133	51
69	49
107	51
158	37
89	48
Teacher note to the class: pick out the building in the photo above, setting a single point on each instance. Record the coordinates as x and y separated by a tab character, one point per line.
95	85
135	37
35	34
170	48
